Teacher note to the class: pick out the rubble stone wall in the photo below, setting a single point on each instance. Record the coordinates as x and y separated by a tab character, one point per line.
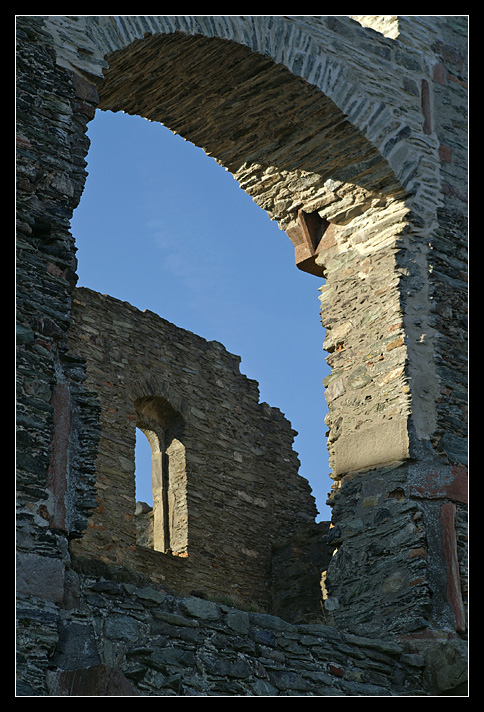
242	490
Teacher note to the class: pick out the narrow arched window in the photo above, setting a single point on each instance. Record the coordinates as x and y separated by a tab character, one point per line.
163	428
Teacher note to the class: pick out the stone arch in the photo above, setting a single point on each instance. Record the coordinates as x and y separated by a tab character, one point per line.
294	135
290	44
335	149
313	149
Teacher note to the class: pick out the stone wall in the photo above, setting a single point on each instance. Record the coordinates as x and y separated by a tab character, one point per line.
130	639
351	133
241	493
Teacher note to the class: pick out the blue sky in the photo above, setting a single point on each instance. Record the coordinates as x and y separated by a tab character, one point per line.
162	226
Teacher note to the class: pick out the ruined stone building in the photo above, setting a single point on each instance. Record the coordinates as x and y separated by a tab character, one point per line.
351	132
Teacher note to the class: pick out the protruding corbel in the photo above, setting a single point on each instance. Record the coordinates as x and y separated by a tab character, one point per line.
306	236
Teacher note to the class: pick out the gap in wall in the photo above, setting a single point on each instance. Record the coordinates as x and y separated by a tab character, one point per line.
144	492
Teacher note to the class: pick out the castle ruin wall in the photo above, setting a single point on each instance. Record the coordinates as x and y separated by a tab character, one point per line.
351	132
240	494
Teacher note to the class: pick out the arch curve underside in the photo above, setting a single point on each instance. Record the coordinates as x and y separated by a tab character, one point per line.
287	144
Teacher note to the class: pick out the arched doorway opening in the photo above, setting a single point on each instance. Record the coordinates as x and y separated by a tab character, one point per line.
296	155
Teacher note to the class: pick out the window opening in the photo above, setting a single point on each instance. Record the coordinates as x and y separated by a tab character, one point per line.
144	487
164	527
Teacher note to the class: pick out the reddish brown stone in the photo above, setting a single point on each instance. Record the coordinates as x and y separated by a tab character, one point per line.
453	590
309	237
435	485
439	73
84	89
420	552
339	672
57	474
395	344
95	681
458	488
445	154
427	127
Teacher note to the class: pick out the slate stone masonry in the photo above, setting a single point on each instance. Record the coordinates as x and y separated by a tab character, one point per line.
195	647
351	132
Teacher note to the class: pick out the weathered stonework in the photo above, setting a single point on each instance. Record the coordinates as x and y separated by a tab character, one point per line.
234	490
351	133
